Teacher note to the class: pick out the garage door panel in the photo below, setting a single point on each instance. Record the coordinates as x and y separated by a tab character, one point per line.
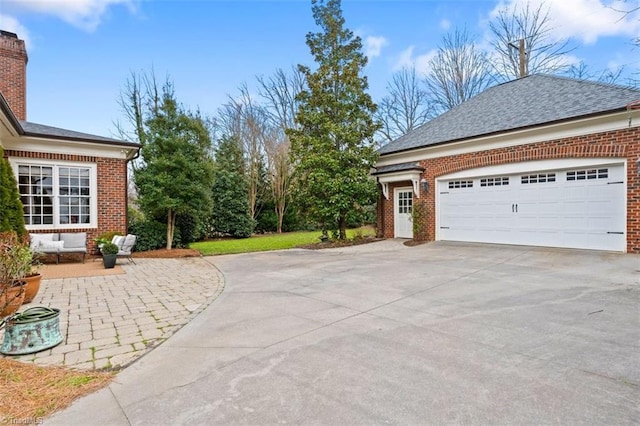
582	208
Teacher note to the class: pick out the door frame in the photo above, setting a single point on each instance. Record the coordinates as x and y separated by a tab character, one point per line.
396	193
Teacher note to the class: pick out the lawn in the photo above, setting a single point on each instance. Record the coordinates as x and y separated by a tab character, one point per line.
282	241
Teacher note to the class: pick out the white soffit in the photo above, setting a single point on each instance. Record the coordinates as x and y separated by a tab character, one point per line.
411	175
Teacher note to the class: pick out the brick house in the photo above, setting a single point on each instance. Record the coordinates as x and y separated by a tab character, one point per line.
540	161
68	181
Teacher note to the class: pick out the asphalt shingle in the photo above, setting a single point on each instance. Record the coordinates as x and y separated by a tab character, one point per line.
529	101
35	129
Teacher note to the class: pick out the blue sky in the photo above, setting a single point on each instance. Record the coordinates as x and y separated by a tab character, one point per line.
82	51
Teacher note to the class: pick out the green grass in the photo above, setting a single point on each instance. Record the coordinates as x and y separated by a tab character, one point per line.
268	242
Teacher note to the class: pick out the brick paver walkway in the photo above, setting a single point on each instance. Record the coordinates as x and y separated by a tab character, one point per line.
109	321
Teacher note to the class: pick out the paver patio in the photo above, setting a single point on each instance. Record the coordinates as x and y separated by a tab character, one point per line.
111	320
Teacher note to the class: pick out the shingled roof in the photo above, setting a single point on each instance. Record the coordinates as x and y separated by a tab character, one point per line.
522	103
35	129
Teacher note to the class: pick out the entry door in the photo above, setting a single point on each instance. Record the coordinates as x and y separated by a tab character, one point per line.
403	211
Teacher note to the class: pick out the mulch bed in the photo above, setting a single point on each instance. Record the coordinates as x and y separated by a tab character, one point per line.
413	243
340	243
167	254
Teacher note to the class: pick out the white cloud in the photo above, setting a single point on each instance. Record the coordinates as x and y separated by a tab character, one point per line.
445	24
406	59
11	24
585	20
84	14
373	45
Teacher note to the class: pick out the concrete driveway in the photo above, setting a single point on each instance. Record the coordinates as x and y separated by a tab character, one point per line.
383	333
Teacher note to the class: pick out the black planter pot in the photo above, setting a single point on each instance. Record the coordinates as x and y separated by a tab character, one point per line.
109	260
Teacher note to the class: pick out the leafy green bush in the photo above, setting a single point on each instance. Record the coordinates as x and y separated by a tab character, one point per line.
106	237
151	235
189	228
11	213
109	248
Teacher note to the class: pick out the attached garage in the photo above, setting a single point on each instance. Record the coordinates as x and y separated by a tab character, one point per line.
539	161
580	207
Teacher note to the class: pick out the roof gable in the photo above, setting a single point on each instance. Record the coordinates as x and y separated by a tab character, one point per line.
526	102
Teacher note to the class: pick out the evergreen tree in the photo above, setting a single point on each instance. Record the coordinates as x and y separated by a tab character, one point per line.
11	210
176	173
332	148
230	213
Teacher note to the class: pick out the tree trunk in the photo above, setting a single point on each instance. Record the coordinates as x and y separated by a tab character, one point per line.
342	226
280	213
171	223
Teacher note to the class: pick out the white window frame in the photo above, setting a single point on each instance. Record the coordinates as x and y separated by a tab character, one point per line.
55	165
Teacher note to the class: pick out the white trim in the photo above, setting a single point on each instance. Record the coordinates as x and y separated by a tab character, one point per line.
57	146
412	175
580	127
93	181
531	166
396	192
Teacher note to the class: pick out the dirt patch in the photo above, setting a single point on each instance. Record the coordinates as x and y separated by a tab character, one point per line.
167	254
29	393
340	243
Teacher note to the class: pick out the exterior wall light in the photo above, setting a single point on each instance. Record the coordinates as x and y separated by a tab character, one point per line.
424	185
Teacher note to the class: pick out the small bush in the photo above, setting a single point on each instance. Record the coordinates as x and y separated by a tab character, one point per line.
152	235
106	237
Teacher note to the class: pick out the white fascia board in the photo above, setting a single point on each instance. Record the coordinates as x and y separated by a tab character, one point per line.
581	127
61	146
412	175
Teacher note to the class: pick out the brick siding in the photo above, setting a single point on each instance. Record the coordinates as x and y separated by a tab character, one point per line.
618	144
13	74
112	187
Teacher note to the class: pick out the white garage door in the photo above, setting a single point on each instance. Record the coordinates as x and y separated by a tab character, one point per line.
577	208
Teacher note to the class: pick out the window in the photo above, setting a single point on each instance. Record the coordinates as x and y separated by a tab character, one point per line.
588	174
498	181
405	202
460	184
538	178
57	195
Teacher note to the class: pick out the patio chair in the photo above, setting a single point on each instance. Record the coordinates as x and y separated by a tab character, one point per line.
125	246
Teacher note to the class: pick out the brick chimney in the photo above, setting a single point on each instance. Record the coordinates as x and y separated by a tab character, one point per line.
13	73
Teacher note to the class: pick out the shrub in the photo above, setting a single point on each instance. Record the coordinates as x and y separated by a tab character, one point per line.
152	235
109	248
11	210
106	237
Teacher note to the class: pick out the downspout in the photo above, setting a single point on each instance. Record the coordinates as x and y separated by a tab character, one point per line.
126	189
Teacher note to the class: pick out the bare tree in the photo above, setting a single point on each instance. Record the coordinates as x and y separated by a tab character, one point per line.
241	117
406	106
584	72
138	100
543	54
459	71
280	91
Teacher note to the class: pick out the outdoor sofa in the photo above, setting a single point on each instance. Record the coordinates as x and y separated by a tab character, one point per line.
60	243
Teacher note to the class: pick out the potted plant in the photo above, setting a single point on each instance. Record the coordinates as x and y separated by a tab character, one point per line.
33	280
15	263
105	237
109	254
